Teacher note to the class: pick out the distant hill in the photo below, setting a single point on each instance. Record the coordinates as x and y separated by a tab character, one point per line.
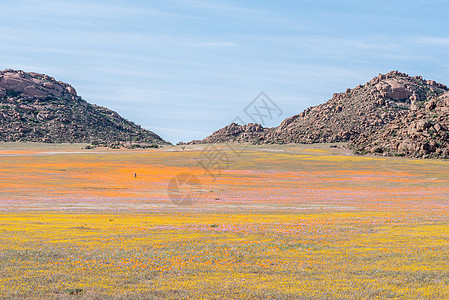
366	116
37	108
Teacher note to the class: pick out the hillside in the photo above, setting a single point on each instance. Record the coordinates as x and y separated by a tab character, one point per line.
421	132
357	116
37	108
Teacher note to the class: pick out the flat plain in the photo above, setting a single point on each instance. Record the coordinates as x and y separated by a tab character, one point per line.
268	222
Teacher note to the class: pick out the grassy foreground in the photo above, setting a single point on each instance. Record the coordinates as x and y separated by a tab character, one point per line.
286	222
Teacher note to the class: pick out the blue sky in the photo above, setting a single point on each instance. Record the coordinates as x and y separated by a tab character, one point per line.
184	68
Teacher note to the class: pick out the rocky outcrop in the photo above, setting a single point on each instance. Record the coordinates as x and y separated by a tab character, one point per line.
357	115
236	133
364	109
37	108
422	133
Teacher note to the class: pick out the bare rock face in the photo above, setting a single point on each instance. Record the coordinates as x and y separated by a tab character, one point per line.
368	117
30	84
33	92
394	89
37	108
71	91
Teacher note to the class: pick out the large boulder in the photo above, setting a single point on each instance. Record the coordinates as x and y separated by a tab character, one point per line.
71	91
393	89
32	91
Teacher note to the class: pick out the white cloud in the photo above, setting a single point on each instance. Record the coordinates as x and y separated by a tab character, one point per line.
431	40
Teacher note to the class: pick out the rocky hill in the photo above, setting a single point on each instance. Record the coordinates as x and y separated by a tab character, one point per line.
37	108
237	133
359	116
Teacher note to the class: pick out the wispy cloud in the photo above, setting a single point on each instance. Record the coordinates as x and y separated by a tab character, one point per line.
215	45
431	40
217	6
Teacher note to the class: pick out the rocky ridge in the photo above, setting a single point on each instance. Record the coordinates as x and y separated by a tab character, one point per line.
37	108
357	116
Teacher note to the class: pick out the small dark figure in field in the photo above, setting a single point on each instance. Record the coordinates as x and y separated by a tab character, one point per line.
74	291
135	175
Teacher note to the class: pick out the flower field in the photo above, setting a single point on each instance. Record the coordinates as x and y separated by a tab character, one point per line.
279	222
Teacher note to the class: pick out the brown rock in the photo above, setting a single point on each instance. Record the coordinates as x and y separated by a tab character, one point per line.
32	91
14	82
381	102
420	125
414	97
431	105
437	127
71	91
397	90
48	85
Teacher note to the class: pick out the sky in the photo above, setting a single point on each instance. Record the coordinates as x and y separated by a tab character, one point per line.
185	68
